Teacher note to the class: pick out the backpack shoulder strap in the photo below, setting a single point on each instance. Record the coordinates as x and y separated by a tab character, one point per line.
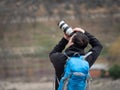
66	55
87	54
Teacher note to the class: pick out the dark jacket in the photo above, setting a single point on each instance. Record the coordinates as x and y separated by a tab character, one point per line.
58	58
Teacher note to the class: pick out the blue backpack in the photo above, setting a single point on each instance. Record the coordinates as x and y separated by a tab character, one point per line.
76	73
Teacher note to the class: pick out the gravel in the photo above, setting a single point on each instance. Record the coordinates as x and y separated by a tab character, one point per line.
96	84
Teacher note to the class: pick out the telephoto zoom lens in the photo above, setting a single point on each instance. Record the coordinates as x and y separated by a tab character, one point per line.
64	26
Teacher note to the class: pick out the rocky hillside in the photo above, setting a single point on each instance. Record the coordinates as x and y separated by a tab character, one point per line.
12	9
28	30
63	7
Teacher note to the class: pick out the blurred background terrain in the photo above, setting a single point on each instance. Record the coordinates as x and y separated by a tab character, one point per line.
29	31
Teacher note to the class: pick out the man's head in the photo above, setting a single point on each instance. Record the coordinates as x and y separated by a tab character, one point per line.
79	40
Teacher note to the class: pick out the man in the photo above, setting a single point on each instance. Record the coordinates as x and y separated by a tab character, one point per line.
75	45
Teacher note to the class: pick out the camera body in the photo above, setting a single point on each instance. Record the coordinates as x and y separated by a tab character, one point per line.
66	29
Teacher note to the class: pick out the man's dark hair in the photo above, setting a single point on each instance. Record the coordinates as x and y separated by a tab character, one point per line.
80	40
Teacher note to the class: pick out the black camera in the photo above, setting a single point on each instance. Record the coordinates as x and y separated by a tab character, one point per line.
64	26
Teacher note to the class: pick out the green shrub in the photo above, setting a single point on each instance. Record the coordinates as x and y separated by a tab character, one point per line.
103	73
114	71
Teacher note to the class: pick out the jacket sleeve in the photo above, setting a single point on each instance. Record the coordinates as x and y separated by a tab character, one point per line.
57	58
96	48
60	46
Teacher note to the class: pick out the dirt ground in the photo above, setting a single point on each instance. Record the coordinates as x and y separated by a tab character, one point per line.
96	84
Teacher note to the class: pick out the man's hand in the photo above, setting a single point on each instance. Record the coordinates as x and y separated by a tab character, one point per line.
66	37
79	29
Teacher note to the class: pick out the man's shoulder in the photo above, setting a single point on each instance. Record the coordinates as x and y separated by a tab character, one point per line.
57	56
